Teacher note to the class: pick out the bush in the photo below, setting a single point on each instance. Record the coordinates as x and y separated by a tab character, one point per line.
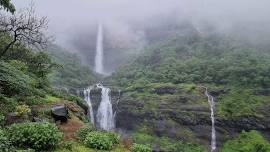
27	150
247	142
18	65
100	140
14	81
38	136
82	132
7	104
2	120
113	137
4	142
22	110
141	148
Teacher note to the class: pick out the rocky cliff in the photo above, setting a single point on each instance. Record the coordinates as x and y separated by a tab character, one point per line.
180	112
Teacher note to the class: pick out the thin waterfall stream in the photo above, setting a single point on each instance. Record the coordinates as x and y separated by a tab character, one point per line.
212	109
99	51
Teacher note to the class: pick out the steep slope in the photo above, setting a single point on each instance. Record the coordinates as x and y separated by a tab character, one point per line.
163	88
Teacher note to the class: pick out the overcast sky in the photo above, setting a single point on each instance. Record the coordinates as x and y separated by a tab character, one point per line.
66	16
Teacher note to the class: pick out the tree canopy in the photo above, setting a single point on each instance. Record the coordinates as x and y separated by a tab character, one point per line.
7	5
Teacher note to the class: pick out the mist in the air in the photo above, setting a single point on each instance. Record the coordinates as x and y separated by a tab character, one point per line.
127	23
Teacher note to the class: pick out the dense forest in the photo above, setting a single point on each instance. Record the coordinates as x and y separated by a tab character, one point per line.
157	101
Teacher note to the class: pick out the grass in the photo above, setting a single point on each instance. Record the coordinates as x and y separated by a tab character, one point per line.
51	99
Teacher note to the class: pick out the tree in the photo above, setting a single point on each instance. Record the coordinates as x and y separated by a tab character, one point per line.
7	5
41	64
24	27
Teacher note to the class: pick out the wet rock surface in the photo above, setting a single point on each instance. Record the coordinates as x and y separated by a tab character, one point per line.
178	117
182	117
60	113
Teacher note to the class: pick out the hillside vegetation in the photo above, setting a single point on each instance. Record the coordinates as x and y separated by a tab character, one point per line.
166	85
214	61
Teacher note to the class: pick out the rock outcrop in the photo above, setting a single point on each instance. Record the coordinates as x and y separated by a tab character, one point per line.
60	113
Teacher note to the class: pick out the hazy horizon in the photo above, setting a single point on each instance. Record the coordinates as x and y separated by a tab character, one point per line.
69	19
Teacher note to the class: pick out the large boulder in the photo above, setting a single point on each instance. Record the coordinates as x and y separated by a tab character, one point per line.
60	113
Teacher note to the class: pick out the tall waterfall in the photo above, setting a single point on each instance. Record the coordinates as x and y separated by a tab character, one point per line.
212	108
99	51
105	115
87	98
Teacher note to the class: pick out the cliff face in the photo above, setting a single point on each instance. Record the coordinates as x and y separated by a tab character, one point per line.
95	96
182	115
176	112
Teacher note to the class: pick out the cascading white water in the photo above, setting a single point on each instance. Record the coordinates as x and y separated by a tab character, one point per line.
87	98
99	51
212	108
105	115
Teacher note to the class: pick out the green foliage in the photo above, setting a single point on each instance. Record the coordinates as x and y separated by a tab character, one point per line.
101	140
79	147
115	138
18	65
22	110
27	150
166	144
72	72
41	65
14	81
247	142
82	132
239	103
2	120
7	104
4	142
39	136
141	148
212	59
143	138
7	5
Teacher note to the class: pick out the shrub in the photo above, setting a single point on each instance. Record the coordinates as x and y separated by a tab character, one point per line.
247	142
7	104
141	148
115	138
4	142
14	81
18	65
22	110
2	120
67	144
27	150
38	136
99	140
82	132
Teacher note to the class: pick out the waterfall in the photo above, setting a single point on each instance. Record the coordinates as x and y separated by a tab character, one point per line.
99	51
212	108
105	116
87	98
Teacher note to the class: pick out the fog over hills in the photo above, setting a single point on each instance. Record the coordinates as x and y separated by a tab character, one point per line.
127	23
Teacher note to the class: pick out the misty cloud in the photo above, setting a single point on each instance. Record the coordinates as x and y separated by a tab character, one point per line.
66	16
